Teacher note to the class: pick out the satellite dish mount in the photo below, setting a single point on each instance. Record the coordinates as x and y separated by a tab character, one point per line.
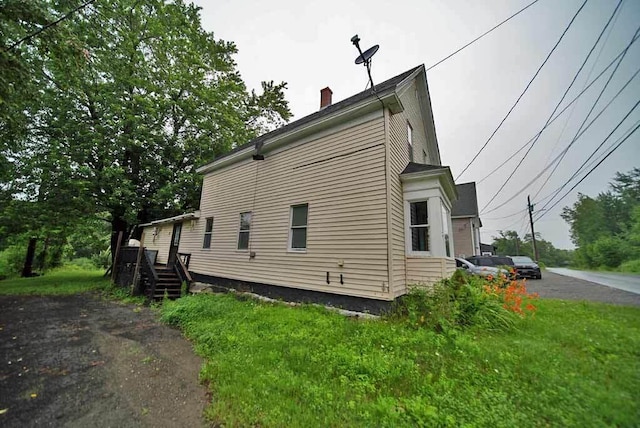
365	57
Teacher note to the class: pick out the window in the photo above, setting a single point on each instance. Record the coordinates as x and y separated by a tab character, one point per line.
419	226
445	230
208	230
410	141
243	233
298	235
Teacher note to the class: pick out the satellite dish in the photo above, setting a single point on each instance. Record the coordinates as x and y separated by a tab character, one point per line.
366	55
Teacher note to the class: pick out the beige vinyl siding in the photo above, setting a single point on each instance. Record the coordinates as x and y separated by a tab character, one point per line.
462	236
449	267
160	242
399	158
428	270
412	114
341	177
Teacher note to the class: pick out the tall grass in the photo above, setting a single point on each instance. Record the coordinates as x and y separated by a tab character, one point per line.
573	364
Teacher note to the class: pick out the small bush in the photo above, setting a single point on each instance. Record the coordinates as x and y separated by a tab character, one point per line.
464	301
630	266
12	261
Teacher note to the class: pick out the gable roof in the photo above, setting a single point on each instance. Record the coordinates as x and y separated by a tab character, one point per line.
467	203
327	111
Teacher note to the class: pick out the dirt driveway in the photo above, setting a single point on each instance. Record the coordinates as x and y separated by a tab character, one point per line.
557	286
79	361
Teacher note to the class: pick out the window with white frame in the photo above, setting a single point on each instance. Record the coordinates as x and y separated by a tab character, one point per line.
208	231
243	232
445	229
298	234
419	226
410	141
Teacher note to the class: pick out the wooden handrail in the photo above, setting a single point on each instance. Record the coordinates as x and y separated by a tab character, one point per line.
151	272
181	269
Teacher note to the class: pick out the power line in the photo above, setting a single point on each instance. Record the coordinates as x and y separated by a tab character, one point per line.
593	66
506	216
561	112
557	105
49	25
559	157
482	35
591	170
575	137
523	92
580	168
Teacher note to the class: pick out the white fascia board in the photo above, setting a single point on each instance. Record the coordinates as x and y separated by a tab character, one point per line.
187	216
390	100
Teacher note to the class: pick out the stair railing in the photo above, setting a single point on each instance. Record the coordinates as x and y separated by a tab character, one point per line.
181	269
150	271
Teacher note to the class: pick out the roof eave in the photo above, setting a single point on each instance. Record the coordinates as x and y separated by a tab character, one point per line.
187	216
443	174
388	98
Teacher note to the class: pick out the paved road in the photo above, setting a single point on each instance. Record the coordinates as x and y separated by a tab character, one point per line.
555	286
630	283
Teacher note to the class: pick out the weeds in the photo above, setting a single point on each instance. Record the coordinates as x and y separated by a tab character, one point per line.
464	301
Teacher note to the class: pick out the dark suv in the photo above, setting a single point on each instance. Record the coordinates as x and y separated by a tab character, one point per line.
526	267
493	261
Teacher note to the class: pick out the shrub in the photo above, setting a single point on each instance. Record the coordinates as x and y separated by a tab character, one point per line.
12	261
609	251
464	301
630	266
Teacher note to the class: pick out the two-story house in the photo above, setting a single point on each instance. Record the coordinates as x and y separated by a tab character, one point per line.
349	202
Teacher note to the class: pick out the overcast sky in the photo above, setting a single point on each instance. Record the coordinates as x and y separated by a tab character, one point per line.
307	45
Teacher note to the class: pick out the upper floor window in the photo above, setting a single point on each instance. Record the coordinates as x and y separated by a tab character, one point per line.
445	229
208	231
243	232
419	226
298	235
410	141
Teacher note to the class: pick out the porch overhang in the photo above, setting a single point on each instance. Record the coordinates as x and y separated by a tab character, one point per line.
174	219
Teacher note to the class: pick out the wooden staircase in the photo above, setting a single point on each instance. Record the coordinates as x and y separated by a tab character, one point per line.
168	284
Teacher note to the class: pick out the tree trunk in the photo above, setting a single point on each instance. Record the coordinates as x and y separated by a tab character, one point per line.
118	225
28	262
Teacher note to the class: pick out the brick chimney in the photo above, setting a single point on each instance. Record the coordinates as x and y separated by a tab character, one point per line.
325	97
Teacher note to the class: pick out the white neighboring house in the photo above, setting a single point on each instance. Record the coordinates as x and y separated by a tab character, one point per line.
350	201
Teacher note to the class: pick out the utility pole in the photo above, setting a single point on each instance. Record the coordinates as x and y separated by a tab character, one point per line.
533	233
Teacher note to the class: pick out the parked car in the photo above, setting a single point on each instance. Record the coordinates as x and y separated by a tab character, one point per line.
526	268
504	263
478	270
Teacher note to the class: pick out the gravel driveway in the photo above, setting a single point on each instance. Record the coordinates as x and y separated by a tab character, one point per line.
79	361
563	287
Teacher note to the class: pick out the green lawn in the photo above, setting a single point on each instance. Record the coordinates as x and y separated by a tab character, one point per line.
62	281
269	365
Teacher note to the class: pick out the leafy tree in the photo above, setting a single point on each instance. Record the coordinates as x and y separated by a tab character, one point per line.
508	243
606	228
137	95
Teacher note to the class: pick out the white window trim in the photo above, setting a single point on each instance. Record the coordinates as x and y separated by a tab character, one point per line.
244	250
204	237
410	141
291	227
409	247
